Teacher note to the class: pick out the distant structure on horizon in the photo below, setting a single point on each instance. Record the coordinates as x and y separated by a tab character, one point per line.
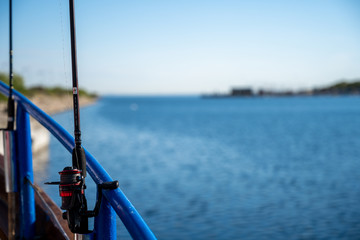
243	92
341	88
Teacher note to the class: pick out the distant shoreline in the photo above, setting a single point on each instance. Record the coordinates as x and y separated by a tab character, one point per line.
220	96
56	104
343	88
51	104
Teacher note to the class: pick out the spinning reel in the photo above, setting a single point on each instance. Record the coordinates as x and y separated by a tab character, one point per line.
72	192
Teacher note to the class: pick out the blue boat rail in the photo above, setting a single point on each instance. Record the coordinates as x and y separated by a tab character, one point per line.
114	201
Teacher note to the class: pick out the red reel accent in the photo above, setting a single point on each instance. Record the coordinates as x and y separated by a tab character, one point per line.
66	193
68	172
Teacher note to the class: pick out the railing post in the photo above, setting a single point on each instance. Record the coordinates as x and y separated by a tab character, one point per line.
24	155
11	186
105	222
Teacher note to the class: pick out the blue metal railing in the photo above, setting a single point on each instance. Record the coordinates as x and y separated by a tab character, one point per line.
113	201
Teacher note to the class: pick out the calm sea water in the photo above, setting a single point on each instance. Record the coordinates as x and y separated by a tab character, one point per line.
249	168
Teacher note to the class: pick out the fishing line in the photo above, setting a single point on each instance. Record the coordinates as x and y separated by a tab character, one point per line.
65	56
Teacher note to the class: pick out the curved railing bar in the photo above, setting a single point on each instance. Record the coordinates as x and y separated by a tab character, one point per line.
117	199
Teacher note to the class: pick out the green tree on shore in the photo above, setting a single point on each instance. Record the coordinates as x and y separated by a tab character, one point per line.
18	82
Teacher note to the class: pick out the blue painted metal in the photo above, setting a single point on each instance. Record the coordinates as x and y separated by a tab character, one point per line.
105	222
132	220
24	159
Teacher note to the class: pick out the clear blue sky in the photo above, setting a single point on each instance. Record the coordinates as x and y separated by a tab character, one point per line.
187	46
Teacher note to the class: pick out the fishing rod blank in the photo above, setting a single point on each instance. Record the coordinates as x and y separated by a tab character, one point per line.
9	144
11	107
79	160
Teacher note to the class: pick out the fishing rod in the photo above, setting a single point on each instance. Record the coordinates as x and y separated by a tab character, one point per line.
72	179
77	223
11	104
79	160
8	135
